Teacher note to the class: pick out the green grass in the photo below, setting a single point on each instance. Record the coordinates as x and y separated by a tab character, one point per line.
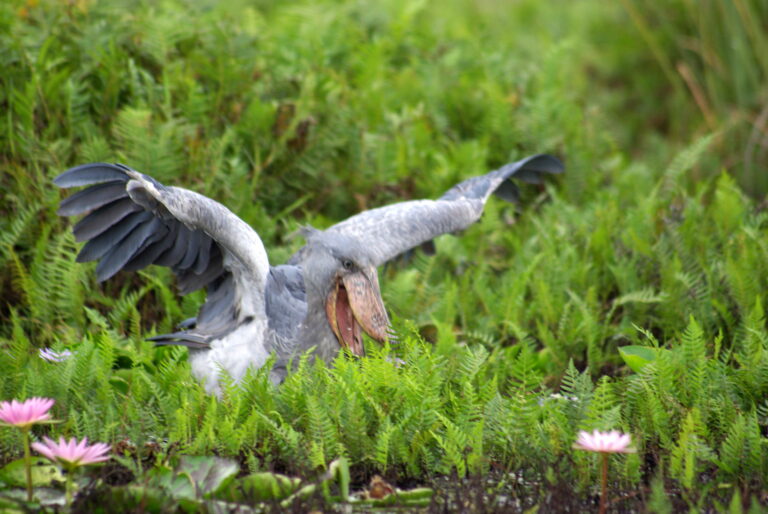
311	111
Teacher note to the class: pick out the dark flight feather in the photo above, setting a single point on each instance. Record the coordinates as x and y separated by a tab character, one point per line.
92	198
87	174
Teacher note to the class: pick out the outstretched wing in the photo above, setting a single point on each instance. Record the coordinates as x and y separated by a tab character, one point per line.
133	221
388	231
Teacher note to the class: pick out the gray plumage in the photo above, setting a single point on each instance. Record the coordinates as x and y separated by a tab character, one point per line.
389	231
100	220
324	297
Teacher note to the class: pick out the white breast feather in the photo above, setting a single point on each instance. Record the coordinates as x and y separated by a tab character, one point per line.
232	355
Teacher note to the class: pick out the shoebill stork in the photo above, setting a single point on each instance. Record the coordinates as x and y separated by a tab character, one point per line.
325	297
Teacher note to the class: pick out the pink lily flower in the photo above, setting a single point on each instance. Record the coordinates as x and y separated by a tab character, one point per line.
71	454
27	413
604	442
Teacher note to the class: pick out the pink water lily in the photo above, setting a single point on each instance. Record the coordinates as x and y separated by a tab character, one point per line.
71	454
604	442
26	413
23	415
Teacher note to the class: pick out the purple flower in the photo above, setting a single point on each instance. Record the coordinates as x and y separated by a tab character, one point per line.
53	356
604	442
71	454
27	413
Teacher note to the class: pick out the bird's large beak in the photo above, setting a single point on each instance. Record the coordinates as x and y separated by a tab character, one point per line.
354	305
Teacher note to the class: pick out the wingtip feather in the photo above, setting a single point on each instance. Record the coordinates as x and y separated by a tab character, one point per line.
91	173
543	163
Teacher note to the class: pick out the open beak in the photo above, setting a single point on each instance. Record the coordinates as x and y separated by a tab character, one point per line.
354	306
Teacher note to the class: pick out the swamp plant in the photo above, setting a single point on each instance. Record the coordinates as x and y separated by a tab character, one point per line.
70	455
23	415
604	443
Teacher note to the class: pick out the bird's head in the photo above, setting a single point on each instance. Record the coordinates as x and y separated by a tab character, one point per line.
336	268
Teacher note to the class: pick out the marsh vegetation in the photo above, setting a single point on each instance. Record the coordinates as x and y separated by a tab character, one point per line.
627	294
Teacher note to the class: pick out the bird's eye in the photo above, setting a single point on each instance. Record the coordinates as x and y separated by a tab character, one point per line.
347	264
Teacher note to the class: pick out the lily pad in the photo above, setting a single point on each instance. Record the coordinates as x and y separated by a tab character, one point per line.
195	477
175	485
15	500
260	487
210	474
43	473
141	498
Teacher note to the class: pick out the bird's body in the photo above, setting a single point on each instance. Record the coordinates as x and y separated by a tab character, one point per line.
325	297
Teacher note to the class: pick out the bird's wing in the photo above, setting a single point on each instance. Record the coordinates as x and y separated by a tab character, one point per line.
388	231
133	221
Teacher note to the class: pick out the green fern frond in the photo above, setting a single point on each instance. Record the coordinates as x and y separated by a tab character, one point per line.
686	159
14	230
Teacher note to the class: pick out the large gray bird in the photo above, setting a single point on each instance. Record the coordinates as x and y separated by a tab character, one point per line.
325	297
